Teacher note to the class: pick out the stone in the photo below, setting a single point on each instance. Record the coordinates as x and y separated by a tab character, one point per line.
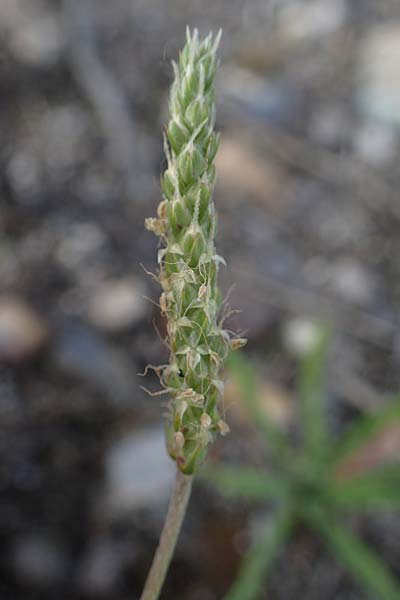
12	14
379	91
62	135
274	100
24	175
254	177
337	225
102	565
329	124
38	560
300	336
352	282
81	353
80	243
274	401
117	304
38	41
22	331
304	21
139	473
376	143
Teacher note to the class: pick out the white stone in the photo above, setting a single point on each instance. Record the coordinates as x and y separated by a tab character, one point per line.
22	332
379	74
300	336
304	21
39	41
117	304
376	143
351	281
80	242
139	473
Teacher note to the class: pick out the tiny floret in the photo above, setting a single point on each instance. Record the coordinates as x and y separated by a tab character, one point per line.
205	421
237	343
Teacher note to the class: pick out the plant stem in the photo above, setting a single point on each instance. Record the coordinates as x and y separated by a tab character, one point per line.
172	526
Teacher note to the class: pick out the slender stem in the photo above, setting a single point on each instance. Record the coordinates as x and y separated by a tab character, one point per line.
172	526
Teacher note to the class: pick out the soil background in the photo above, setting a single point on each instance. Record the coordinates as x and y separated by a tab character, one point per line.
309	223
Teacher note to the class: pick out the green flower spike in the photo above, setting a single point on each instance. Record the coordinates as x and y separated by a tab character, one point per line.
188	261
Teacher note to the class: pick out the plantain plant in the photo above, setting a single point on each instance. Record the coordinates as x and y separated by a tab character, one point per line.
309	483
188	268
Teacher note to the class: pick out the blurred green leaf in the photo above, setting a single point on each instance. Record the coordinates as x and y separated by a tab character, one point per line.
311	391
365	429
246	482
242	371
260	557
357	558
376	489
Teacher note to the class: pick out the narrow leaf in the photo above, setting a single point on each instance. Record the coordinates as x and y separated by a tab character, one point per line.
370	572
242	371
260	558
376	489
311	391
364	430
246	483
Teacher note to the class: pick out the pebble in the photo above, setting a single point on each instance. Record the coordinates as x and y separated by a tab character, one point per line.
352	282
22	331
23	171
139	473
11	14
300	336
277	403
274	401
305	21
38	560
117	305
275	101
81	353
338	226
379	92
62	133
101	566
376	143
38	41
255	177
81	242
329	124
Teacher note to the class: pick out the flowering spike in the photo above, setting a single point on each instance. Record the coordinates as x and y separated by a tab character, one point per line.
189	264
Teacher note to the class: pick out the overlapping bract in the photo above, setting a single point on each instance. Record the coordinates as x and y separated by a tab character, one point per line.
188	263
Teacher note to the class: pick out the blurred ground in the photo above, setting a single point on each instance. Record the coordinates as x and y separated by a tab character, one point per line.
307	195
